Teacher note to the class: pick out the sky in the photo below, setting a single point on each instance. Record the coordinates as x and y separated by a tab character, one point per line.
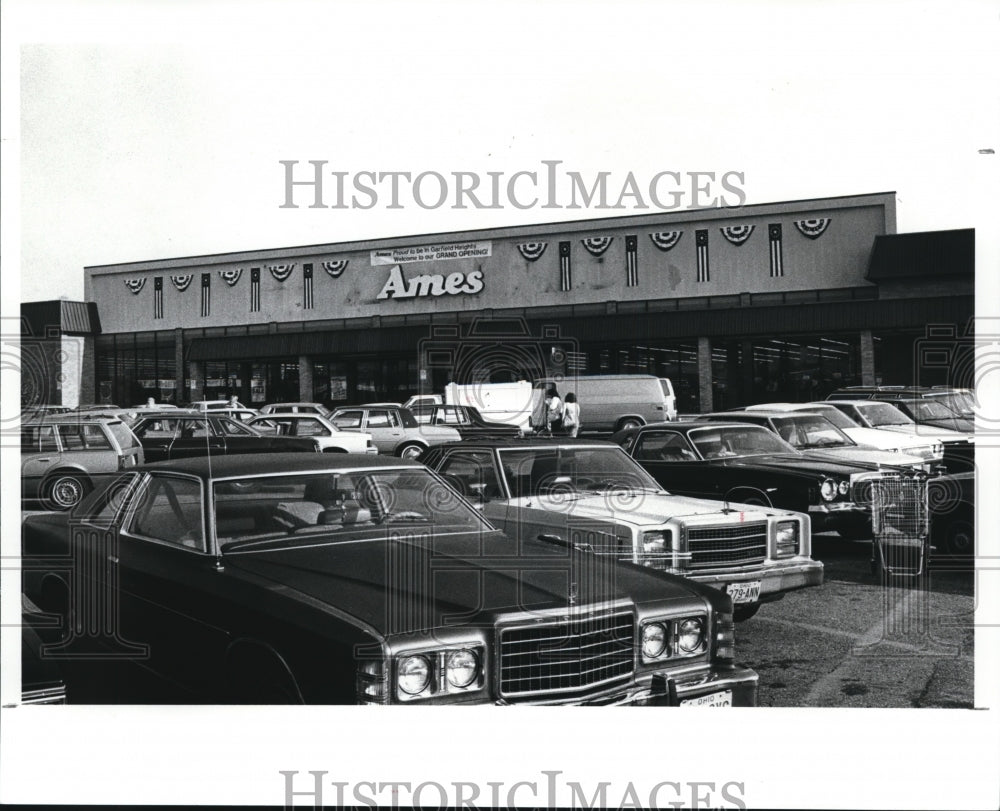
148	130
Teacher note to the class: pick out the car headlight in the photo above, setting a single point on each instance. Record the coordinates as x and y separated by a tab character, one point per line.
843	487
654	547
787	539
828	489
413	675
690	634
461	668
654	641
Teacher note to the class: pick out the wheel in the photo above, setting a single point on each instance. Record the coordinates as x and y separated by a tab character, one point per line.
743	611
65	490
960	539
411	450
627	423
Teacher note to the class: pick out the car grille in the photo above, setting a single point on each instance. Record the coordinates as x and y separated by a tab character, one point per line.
566	656
730	545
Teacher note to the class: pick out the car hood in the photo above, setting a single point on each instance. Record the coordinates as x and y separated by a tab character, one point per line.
803	464
869	456
928	433
878	438
414	582
643	508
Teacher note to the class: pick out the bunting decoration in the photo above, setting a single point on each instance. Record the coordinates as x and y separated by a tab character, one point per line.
737	234
182	282
307	286
565	271
813	229
281	272
665	240
532	250
597	245
336	268
774	237
135	285
158	297
631	260
255	290
206	294
701	241
230	277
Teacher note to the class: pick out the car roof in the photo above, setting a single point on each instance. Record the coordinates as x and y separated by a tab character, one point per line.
70	417
526	442
221	467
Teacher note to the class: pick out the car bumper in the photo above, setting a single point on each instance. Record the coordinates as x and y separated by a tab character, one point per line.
665	689
776	578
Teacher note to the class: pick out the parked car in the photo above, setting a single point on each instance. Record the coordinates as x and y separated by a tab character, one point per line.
394	429
737	461
343	579
930	411
816	436
953	515
64	455
215	405
956	449
591	494
295	408
42	680
961	401
424	399
180	434
465	419
330	438
892	441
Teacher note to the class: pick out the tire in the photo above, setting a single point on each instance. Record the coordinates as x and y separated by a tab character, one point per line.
628	423
743	612
960	539
63	491
409	450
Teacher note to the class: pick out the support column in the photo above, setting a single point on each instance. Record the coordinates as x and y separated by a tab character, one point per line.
867	358
88	371
196	375
180	379
704	375
306	393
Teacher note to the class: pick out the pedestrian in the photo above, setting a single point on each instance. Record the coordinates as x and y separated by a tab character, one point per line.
150	402
553	411
571	415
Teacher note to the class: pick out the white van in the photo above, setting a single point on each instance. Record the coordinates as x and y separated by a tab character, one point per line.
613	402
510	403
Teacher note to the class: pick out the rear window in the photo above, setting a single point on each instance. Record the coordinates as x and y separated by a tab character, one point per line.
123	435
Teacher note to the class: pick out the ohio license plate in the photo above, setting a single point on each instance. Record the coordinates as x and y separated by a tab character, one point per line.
748	592
721	699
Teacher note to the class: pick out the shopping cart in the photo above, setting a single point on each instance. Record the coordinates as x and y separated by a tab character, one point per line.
900	525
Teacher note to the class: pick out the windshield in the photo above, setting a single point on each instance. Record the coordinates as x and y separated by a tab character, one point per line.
811	431
742	440
930	410
879	414
545	471
836	416
338	502
961	402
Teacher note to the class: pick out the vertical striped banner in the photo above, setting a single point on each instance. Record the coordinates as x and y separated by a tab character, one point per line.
158	297
701	241
206	294
255	290
307	286
774	238
631	260
565	271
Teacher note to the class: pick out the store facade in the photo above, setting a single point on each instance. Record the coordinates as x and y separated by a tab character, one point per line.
782	301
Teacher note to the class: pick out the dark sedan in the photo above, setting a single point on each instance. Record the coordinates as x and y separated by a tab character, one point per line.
467	420
179	435
344	578
749	464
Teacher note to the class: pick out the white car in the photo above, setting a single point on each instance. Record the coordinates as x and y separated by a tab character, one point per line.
875	414
295	408
885	440
330	438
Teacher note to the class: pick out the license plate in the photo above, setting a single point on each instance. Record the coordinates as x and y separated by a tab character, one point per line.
748	592
721	699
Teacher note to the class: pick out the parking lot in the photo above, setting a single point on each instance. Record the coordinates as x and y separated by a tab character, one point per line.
849	643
